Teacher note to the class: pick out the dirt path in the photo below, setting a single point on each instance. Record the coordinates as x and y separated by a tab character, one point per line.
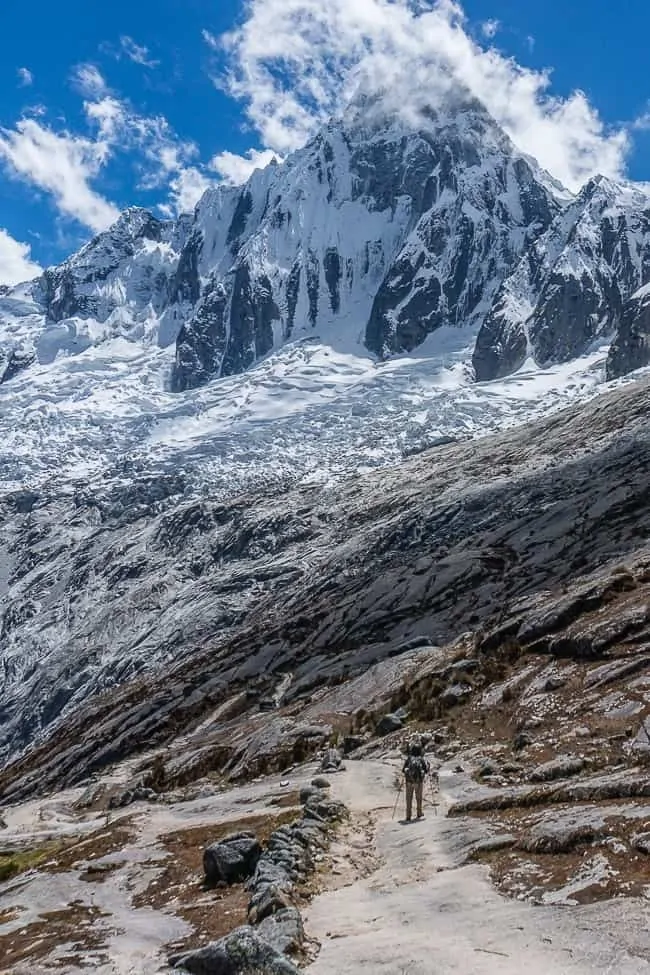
422	913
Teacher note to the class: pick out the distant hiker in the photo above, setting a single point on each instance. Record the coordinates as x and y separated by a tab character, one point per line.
416	768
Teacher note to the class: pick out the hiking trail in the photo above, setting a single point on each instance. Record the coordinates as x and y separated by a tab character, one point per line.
422	911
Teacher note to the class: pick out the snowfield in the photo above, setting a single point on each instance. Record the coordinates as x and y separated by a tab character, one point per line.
309	412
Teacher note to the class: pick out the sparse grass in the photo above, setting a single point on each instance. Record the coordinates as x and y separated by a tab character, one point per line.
12	864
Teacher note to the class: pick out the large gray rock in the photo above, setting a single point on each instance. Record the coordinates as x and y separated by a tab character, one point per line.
455	694
641	842
232	859
389	723
268	900
243	952
332	761
14	360
562	767
283	930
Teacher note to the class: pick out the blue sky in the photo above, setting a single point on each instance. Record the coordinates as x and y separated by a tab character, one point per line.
107	104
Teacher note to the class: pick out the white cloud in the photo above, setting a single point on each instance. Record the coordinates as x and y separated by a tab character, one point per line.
294	63
490	28
137	53
63	165
110	117
237	169
642	122
16	264
25	77
89	81
186	189
170	163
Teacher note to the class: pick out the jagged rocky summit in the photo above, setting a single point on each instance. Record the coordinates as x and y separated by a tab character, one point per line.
573	286
379	231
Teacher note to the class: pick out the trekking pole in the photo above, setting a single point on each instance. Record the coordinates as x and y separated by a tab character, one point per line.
433	796
399	790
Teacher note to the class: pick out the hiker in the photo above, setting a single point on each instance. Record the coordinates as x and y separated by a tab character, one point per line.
416	768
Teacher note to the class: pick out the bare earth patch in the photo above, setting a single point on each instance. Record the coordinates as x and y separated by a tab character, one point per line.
75	927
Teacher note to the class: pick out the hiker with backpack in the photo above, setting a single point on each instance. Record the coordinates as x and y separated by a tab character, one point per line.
415	769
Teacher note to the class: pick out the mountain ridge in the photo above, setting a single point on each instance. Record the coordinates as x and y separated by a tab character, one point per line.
380	230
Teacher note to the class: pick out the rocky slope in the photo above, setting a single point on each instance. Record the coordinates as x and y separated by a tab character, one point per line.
183	603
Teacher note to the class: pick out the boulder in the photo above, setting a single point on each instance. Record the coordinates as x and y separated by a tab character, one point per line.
466	666
521	741
324	808
243	952
390	723
552	837
137	794
641	842
270	899
307	792
488	769
562	767
283	930
455	694
232	859
352	742
332	761
320	782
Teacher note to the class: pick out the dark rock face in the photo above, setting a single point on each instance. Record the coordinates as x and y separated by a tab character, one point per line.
242	212
455	262
630	349
202	341
252	313
228	331
185	286
293	289
14	361
570	315
332	267
570	287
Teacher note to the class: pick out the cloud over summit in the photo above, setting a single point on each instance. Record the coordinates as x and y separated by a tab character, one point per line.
294	63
